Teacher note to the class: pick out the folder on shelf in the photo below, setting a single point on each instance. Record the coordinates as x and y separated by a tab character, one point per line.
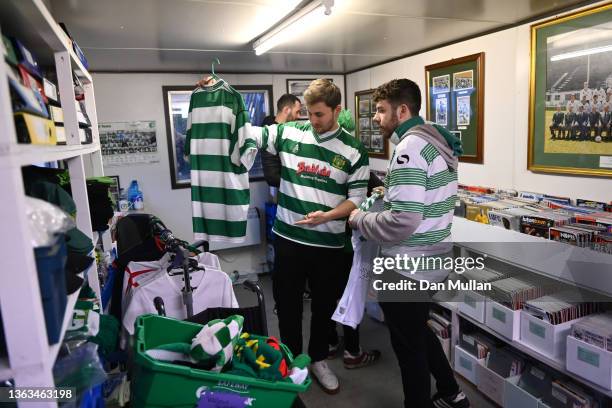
29	80
85	135
26	99
82	116
60	135
9	51
57	114
34	129
50	91
25	57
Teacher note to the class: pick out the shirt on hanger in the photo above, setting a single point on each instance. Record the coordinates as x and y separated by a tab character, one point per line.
220	158
211	288
138	273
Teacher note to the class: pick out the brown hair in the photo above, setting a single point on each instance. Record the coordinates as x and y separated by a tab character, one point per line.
400	91
323	90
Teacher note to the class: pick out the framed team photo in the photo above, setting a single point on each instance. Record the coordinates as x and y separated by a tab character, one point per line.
364	123
365	139
463	80
441	84
364	107
441	111
366	129
461	108
570	98
376	141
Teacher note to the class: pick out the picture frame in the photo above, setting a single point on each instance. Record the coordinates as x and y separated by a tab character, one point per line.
454	99
259	103
296	87
567	133
366	130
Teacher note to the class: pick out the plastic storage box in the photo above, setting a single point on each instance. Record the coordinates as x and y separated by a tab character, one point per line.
465	364
160	384
50	265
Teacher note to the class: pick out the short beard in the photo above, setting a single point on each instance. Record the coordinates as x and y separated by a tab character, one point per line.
387	132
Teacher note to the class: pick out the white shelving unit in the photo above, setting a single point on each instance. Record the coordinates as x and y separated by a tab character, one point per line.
579	267
30	357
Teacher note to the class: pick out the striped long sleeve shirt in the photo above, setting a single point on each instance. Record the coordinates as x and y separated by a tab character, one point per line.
220	156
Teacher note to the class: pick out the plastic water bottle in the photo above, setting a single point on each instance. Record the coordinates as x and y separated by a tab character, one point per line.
133	193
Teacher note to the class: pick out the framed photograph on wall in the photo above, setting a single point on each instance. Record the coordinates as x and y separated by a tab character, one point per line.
570	96
297	87
454	98
258	100
366	129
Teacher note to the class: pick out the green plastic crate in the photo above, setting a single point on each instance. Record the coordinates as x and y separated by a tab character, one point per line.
160	384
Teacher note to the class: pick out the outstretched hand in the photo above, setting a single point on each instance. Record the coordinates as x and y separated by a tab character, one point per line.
313	218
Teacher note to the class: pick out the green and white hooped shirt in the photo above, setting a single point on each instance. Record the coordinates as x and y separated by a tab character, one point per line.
220	157
318	172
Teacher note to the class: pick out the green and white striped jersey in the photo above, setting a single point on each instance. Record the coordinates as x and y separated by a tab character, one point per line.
419	180
318	172
220	156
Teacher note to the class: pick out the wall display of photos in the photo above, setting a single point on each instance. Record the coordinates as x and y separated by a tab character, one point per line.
570	101
455	101
366	129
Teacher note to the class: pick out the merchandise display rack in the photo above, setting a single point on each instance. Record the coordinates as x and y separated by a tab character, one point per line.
551	260
30	358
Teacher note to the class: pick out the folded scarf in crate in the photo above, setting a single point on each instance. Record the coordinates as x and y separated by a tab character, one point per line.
211	349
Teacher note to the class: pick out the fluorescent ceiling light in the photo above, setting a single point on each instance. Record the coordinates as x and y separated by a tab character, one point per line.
581	53
295	26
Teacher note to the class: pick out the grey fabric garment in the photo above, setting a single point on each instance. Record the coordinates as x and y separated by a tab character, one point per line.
386	226
430	134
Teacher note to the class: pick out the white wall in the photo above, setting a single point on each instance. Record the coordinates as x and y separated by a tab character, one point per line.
130	97
506	114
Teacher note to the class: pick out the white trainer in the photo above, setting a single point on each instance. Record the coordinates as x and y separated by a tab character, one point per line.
325	377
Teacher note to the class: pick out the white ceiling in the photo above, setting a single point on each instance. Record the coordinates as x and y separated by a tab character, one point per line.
185	35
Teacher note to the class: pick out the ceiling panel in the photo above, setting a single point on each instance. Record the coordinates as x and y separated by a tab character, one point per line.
185	35
474	10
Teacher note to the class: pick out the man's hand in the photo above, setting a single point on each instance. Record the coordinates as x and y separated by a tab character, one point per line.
314	218
352	217
206	81
380	190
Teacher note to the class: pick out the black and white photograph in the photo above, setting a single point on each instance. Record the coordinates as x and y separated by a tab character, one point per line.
364	107
365	123
376	141
442	111
126	143
463	80
441	84
463	110
365	139
457	133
